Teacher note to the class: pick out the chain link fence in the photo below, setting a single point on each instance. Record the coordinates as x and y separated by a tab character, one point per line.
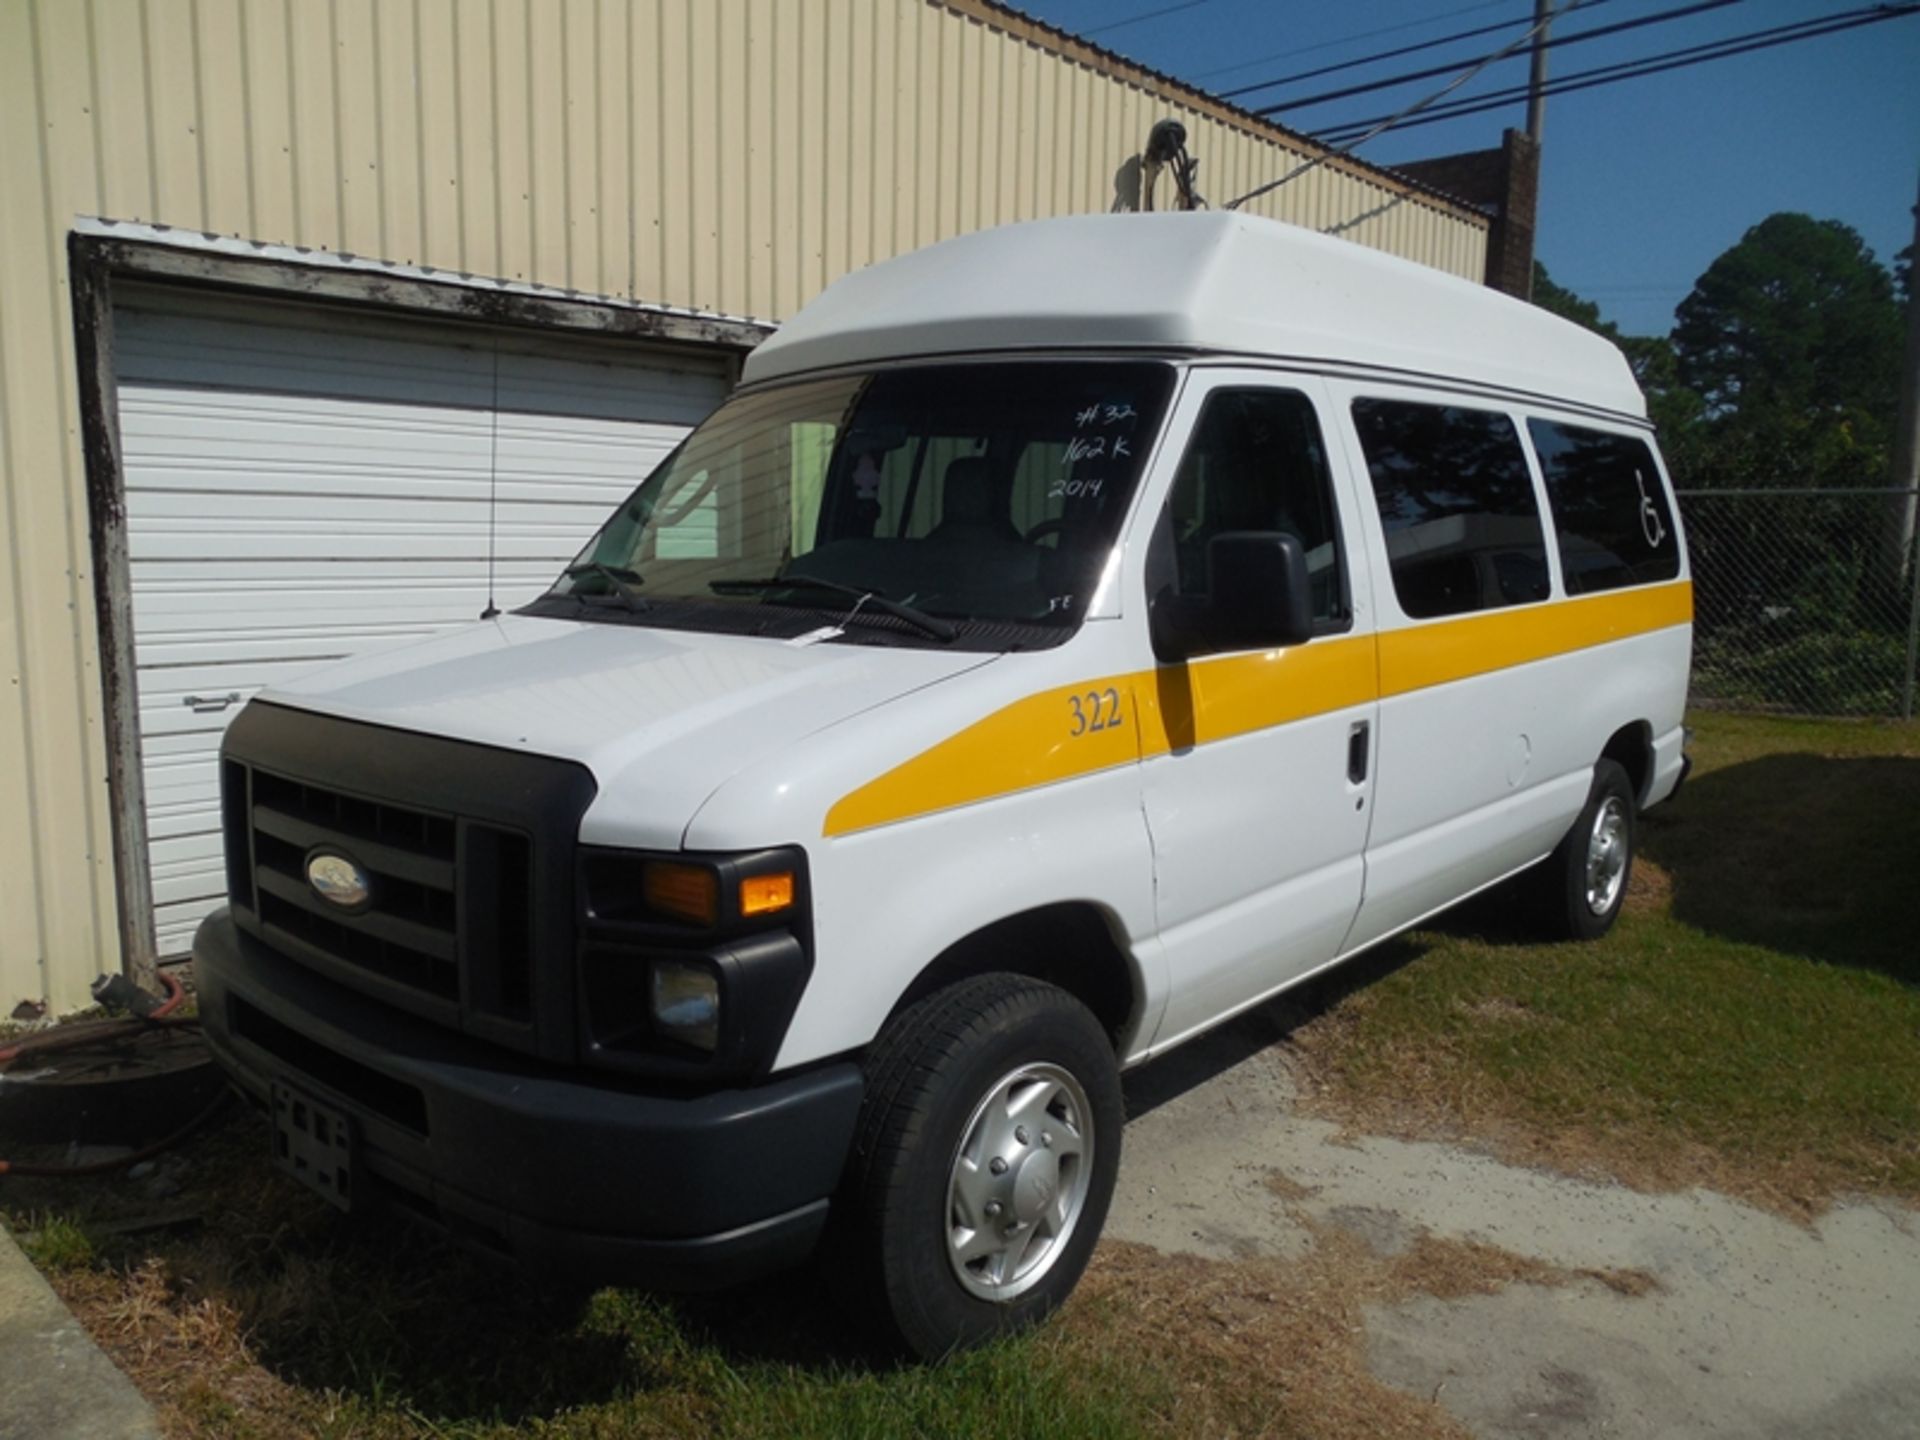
1805	601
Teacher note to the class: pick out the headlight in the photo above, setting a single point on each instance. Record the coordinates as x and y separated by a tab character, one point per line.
687	892
686	1004
691	964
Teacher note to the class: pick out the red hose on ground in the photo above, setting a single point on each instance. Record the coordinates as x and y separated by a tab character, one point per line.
176	997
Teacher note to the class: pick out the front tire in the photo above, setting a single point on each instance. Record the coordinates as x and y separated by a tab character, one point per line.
985	1161
1582	885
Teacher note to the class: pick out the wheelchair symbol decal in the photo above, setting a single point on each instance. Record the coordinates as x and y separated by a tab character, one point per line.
1651	525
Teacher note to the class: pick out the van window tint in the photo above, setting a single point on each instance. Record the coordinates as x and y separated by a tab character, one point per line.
1609	508
1256	462
1458	506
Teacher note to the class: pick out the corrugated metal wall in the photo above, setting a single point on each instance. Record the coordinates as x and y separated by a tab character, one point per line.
731	155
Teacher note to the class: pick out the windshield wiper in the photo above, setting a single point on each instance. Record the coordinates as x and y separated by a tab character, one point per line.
862	596
620	581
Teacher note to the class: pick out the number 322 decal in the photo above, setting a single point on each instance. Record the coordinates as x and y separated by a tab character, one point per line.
1095	710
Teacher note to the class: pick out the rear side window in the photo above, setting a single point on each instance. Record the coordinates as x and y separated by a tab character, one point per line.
1256	462
1609	508
1458	506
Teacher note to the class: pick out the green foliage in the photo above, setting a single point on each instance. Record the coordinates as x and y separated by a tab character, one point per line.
1676	409
1792	340
57	1243
1558	300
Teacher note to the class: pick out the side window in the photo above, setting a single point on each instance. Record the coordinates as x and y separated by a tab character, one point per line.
1256	462
1609	508
1458	506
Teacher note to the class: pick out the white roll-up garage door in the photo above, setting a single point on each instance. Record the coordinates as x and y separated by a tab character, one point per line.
303	485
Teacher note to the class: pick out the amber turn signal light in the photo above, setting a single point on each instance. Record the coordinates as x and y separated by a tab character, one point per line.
765	894
688	892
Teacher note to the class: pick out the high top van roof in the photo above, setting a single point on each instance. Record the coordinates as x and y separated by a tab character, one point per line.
1206	281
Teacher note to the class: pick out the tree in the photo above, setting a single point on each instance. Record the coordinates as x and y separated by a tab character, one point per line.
1677	412
1791	339
1561	301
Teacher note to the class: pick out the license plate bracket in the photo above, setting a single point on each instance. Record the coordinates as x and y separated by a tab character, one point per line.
313	1143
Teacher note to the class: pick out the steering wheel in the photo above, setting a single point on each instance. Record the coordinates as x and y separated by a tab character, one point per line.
1044	529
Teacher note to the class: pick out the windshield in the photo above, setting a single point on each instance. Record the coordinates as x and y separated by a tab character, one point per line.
926	500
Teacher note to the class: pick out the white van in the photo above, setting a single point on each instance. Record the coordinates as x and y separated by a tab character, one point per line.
1067	637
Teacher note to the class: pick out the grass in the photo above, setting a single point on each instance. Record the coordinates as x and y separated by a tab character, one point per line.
273	1319
56	1243
1753	1021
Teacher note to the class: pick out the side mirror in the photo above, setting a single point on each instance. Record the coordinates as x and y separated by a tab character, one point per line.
1257	599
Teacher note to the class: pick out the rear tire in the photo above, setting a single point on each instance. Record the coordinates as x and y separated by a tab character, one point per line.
1580	887
984	1162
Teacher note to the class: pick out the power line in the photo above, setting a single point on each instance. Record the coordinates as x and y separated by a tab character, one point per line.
1554	43
1628	70
1362	35
1454	84
1147	15
1333	69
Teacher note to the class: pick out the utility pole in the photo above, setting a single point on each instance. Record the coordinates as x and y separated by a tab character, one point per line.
1906	432
1906	472
1537	79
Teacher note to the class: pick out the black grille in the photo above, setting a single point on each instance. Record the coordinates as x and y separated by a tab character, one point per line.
461	900
406	934
418	863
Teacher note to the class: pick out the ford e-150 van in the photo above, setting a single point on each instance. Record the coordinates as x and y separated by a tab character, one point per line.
1065	638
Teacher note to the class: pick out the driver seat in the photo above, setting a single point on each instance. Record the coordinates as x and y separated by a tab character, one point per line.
972	502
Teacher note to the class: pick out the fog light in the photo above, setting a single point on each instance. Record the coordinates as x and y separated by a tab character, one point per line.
686	1004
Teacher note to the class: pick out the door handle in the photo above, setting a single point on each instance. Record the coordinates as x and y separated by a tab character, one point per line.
211	704
1357	748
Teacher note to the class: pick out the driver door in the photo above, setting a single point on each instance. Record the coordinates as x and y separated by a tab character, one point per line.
1260	796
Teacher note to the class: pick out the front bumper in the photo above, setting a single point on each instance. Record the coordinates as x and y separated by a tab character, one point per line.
583	1179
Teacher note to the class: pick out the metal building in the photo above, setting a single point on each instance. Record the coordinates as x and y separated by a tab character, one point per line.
291	290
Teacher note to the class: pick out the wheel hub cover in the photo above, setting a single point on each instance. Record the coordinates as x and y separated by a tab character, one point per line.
1035	1186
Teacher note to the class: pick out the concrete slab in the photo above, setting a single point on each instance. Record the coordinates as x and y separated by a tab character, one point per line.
55	1383
1759	1327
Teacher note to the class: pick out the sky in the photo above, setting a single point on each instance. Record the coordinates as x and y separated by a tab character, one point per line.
1644	182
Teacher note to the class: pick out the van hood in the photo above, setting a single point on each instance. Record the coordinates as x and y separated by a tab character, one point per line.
662	718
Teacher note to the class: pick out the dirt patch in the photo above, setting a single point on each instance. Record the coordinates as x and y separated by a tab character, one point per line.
1500	1008
186	1350
1649	888
1278	1346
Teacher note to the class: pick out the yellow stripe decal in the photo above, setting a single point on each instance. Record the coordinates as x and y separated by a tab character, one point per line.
1031	742
1114	720
1186	705
1434	654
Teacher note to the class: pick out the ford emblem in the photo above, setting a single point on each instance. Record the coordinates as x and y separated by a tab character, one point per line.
338	881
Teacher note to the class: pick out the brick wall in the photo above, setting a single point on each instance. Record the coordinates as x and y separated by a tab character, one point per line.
1505	182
